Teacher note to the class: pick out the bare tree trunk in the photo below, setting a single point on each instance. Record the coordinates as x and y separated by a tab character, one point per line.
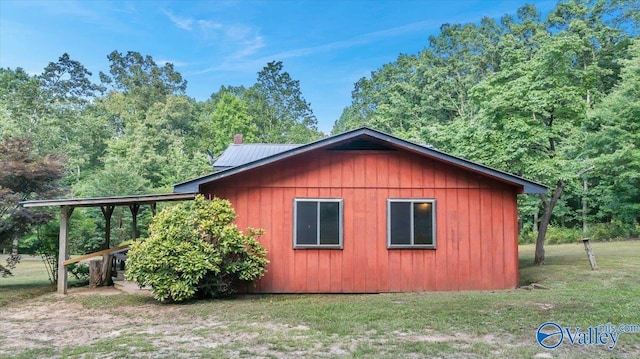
106	270
100	271
14	247
544	221
95	273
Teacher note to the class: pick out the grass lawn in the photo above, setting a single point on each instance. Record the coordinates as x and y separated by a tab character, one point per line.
29	280
498	324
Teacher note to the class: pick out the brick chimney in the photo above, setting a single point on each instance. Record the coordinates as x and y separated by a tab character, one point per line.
237	139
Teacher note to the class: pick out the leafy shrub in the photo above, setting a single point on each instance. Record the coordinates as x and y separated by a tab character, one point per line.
28	244
555	235
527	237
194	249
613	231
79	270
560	235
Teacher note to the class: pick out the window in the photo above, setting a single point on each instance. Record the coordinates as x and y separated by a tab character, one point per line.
317	223
411	223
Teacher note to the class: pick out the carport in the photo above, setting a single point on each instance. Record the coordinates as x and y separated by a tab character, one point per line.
106	205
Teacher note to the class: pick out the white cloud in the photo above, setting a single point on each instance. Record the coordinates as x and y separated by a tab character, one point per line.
359	40
180	22
362	39
210	30
208	24
238	32
249	47
235	42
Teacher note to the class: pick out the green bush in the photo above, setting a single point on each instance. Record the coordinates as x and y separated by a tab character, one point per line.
597	232
194	249
555	235
79	270
560	235
612	231
527	237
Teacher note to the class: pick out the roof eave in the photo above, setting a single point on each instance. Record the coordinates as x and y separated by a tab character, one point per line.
116	200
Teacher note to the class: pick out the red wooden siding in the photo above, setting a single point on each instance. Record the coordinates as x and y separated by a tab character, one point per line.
476	217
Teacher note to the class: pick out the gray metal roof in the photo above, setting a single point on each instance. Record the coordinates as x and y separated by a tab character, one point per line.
239	154
358	138
111	201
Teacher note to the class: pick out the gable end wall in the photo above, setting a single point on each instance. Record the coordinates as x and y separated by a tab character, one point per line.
476	224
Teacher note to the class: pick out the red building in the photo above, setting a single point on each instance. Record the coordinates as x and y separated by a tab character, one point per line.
364	211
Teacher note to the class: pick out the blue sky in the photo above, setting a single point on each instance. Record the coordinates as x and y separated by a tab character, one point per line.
326	45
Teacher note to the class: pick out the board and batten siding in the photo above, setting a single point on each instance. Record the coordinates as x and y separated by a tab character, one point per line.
476	219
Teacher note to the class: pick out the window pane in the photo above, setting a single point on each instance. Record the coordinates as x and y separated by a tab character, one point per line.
423	223
329	223
306	223
400	213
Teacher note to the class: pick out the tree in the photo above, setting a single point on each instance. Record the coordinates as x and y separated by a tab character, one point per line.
613	145
417	91
278	109
67	83
513	95
25	175
49	109
194	249
117	178
229	117
537	106
162	145
140	77
67	89
540	101
153	125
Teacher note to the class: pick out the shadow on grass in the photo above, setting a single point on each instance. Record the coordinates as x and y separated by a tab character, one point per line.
27	286
17	292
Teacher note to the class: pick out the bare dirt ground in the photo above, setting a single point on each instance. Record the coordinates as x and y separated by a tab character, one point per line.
61	326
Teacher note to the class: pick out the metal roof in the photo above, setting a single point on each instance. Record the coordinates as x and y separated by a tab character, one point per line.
239	154
111	201
347	140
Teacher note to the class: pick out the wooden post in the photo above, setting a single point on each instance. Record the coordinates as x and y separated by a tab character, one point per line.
107	212
63	252
590	255
134	213
585	189
587	246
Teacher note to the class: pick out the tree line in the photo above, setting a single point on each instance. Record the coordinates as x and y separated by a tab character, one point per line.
551	98
133	132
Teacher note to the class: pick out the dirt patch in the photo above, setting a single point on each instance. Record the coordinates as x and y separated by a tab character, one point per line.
433	337
60	323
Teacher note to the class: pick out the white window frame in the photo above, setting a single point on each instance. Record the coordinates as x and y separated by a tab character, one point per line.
431	201
318	245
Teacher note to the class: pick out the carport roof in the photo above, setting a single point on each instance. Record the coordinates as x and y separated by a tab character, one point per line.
110	201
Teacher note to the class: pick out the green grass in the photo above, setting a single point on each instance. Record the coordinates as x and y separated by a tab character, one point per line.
480	324
29	280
